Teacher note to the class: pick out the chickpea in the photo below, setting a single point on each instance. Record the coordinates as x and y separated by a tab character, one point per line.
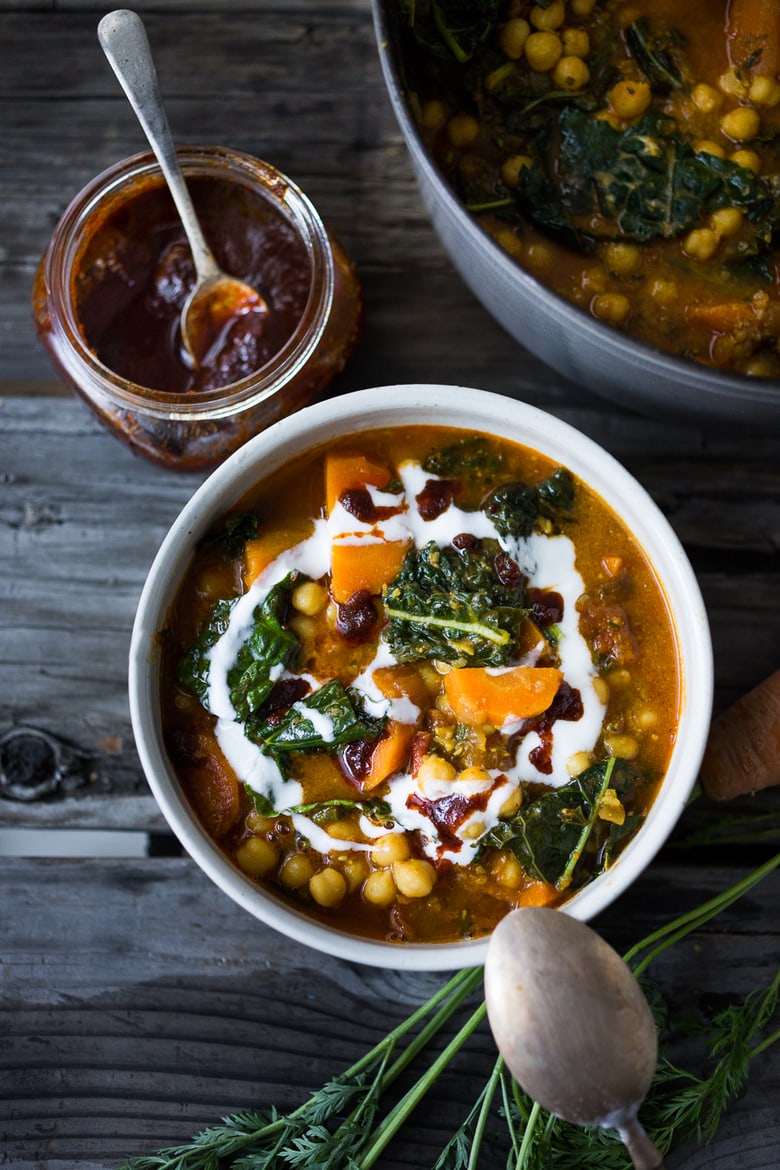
507	870
297	871
581	7
624	747
256	856
629	99
761	365
474	775
433	115
601	687
343	830
511	168
507	239
389	849
257	823
664	292
764	91
473	830
707	146
539	255
705	98
726	221
741	124
548	18
328	887
613	308
576	42
579	762
513	36
747	159
305	627
414	878
594	280
379	887
309	598
355	869
731	84
622	259
571	73
646	719
462	130
512	804
434	768
701	243
619	678
543	51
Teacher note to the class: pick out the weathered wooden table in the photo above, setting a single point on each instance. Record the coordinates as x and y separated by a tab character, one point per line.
138	1003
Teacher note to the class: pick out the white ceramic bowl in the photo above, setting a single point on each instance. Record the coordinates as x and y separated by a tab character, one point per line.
472	410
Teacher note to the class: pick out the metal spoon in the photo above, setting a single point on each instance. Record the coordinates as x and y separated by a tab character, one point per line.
217	299
572	1024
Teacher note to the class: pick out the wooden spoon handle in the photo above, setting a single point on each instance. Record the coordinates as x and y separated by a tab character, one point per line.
743	749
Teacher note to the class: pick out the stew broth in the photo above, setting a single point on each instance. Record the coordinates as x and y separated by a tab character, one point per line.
417	679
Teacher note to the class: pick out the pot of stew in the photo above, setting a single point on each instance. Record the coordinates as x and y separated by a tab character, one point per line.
605	179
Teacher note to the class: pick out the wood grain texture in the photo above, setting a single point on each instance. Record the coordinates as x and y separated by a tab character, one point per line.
126	1027
137	1003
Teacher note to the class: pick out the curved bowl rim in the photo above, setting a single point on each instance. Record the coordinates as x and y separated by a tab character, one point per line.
468	409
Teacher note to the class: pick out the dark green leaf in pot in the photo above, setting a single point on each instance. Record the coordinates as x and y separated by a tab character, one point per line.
451	29
327	719
660	58
450	604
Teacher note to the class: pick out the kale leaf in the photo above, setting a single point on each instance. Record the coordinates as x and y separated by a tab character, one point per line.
450	604
658	57
474	454
451	30
515	508
547	836
270	643
646	180
230	539
193	669
328	718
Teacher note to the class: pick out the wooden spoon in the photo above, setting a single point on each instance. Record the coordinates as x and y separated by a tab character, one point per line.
572	1024
217	299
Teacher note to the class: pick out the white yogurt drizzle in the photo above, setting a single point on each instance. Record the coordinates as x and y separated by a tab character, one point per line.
547	561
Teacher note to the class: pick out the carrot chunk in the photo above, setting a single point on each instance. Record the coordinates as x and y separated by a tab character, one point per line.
344	471
478	697
260	552
390	753
366	566
538	894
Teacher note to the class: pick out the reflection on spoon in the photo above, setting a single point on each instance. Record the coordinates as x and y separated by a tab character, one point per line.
572	1024
217	300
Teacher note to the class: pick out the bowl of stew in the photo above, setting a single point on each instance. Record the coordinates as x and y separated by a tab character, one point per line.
604	176
391	677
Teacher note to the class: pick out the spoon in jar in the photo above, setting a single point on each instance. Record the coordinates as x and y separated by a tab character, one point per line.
572	1024
217	299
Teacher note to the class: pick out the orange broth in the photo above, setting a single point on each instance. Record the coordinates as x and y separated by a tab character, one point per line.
381	879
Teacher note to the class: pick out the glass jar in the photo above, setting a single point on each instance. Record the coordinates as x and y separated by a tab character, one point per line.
192	429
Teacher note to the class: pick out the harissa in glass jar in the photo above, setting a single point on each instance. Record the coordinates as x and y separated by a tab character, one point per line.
110	287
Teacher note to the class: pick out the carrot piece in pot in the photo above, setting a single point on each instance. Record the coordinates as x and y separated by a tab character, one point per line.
479	697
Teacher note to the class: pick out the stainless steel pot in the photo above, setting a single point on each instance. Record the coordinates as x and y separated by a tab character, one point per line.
579	347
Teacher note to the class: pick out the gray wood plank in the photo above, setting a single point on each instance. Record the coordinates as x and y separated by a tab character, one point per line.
140	1004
